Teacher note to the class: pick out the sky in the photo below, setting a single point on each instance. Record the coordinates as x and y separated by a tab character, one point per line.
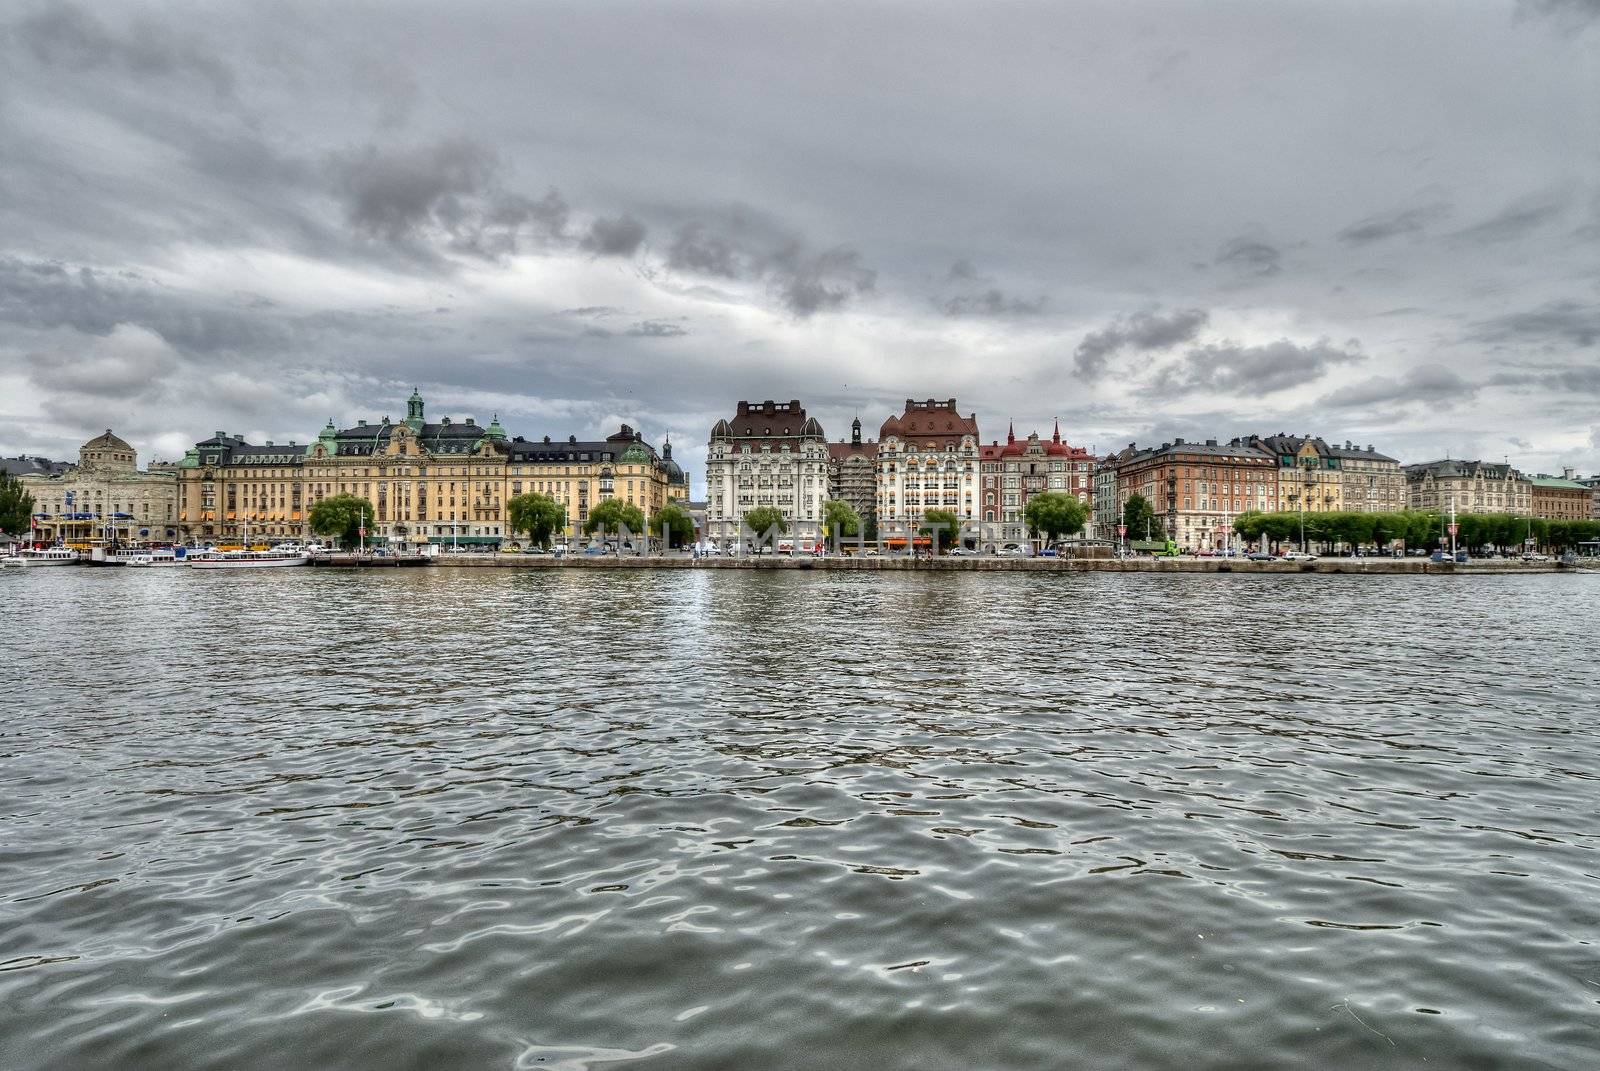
1370	221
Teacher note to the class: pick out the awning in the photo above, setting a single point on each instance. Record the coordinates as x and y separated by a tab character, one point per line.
466	541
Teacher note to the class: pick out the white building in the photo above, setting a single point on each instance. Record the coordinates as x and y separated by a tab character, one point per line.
769	454
927	460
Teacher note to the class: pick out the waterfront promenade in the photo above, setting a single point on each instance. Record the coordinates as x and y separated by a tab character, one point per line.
1377	566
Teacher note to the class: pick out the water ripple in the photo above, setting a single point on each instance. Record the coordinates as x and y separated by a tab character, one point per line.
594	820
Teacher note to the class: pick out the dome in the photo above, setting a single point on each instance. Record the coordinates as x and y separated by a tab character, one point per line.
108	451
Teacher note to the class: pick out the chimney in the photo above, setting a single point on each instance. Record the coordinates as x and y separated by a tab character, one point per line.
1211	442
363	423
469	422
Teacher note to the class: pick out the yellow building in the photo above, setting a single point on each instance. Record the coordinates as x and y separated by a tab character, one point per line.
1310	474
231	491
445	482
580	475
438	482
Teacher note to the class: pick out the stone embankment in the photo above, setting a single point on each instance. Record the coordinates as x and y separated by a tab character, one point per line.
1005	565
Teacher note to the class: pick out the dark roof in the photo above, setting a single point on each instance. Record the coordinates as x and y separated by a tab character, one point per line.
1450	467
1366	453
446	437
223	449
609	449
1234	449
23	465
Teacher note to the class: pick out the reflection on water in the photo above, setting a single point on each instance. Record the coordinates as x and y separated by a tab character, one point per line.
747	820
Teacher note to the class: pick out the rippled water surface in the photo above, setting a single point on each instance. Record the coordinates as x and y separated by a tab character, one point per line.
436	818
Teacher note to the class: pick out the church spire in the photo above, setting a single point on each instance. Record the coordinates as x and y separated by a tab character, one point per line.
1011	432
1056	438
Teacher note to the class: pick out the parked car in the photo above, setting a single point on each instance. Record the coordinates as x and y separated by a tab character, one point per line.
1261	556
1530	557
962	552
1298	556
594	550
1461	557
1049	552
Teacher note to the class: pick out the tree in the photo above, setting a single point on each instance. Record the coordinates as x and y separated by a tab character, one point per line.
613	515
838	516
340	516
539	515
1140	517
16	505
1055	515
764	520
677	525
942	526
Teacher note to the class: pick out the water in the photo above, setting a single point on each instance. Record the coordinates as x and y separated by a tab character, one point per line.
422	819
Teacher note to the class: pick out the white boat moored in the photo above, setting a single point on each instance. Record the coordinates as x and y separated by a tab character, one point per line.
49	556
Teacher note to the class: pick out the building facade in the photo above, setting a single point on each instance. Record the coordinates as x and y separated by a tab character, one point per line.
1468	487
1371	482
104	498
1108	499
853	477
1197	489
581	475
927	460
1593	484
1013	473
232	492
769	454
444	482
1310	474
1560	498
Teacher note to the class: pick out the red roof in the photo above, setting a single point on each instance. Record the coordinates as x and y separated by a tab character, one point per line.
929	419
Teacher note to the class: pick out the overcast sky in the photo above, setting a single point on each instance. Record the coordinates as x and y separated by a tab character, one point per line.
1370	221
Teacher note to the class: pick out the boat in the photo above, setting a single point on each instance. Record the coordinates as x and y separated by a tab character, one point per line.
133	556
49	556
249	559
148	558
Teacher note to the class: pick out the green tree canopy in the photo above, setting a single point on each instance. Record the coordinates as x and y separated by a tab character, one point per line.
942	526
841	517
1140	517
1055	515
16	505
764	519
613	515
676	523
340	516
538	515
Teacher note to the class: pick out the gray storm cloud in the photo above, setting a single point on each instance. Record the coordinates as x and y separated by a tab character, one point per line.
1139	223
